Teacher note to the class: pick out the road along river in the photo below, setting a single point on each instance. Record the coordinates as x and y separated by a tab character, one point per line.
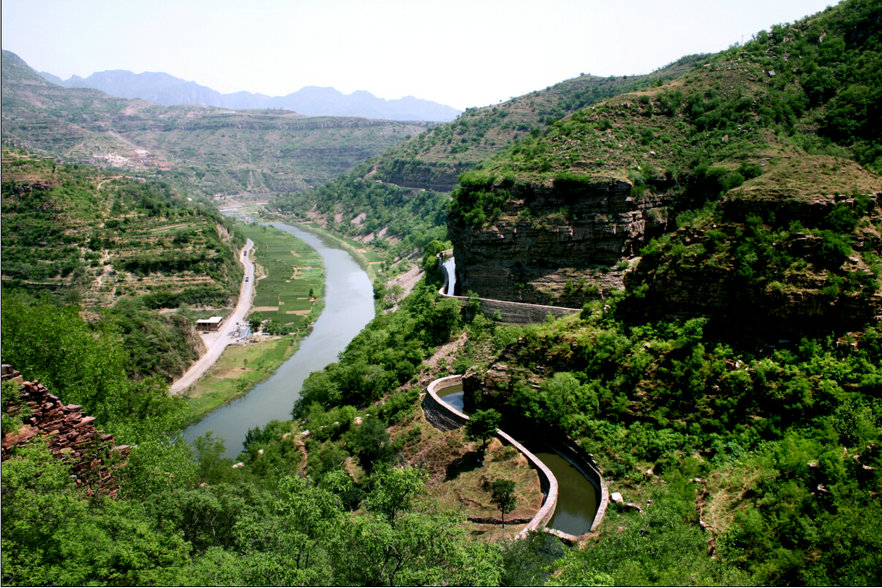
349	306
216	342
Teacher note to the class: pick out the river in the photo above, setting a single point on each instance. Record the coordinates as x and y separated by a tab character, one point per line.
349	306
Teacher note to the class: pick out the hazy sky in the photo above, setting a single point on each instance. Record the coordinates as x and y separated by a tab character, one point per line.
457	52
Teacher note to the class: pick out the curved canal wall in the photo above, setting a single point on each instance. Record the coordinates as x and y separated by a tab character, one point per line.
447	418
505	311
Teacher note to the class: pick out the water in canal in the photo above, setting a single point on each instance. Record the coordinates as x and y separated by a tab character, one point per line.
349	306
577	497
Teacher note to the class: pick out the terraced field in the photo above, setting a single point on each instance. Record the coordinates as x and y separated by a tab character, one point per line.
92	237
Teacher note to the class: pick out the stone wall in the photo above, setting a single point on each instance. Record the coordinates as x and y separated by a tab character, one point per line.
70	435
515	313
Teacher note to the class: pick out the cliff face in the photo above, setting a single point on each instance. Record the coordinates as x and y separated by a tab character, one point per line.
792	251
557	244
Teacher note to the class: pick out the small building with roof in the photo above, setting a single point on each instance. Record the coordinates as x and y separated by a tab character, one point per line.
210	324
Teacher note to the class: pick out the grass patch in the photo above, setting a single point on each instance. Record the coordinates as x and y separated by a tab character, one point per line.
239	368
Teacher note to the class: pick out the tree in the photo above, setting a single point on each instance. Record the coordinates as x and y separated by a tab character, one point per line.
370	442
482	425
503	496
393	489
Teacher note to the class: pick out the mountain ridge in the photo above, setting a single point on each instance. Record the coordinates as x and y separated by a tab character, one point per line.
168	90
206	150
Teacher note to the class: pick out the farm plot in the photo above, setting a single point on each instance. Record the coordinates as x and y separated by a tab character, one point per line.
290	280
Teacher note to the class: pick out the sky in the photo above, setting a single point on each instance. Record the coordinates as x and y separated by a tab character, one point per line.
462	53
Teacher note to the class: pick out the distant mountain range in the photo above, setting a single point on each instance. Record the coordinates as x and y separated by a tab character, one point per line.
168	90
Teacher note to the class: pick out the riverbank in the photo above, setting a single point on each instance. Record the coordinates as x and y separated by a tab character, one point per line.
239	369
289	297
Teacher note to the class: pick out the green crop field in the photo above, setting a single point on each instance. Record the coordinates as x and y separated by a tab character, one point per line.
290	279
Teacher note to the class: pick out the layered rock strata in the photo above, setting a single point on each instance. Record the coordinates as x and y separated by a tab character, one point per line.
71	436
557	245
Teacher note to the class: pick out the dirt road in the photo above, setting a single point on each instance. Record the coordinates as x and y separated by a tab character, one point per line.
216	342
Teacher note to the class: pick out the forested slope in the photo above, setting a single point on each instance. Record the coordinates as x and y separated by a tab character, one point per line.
118	246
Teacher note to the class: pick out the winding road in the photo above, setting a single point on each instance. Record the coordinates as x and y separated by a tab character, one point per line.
216	342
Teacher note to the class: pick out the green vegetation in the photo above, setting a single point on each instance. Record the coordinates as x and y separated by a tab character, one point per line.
84	364
93	237
715	128
503	496
290	282
385	355
119	247
775	452
482	425
192	518
750	444
374	210
397	202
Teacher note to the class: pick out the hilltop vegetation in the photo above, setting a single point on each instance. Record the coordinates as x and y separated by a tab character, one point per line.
398	201
773	98
92	236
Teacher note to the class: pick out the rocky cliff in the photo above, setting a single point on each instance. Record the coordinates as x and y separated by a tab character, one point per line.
782	254
557	244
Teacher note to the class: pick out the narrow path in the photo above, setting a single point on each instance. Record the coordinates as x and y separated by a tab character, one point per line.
224	335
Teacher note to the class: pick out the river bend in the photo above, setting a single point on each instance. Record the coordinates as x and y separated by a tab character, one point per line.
349	306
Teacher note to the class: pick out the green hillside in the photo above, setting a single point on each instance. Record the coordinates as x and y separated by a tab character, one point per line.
402	195
118	246
755	132
205	150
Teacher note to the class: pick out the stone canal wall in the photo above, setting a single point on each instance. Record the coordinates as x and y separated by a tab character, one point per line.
447	418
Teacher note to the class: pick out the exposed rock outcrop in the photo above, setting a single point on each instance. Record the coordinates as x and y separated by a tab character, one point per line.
71	436
557	244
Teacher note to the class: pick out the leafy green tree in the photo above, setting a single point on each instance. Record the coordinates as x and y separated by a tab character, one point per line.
415	550
430	253
482	425
393	489
53	535
370	442
502	495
